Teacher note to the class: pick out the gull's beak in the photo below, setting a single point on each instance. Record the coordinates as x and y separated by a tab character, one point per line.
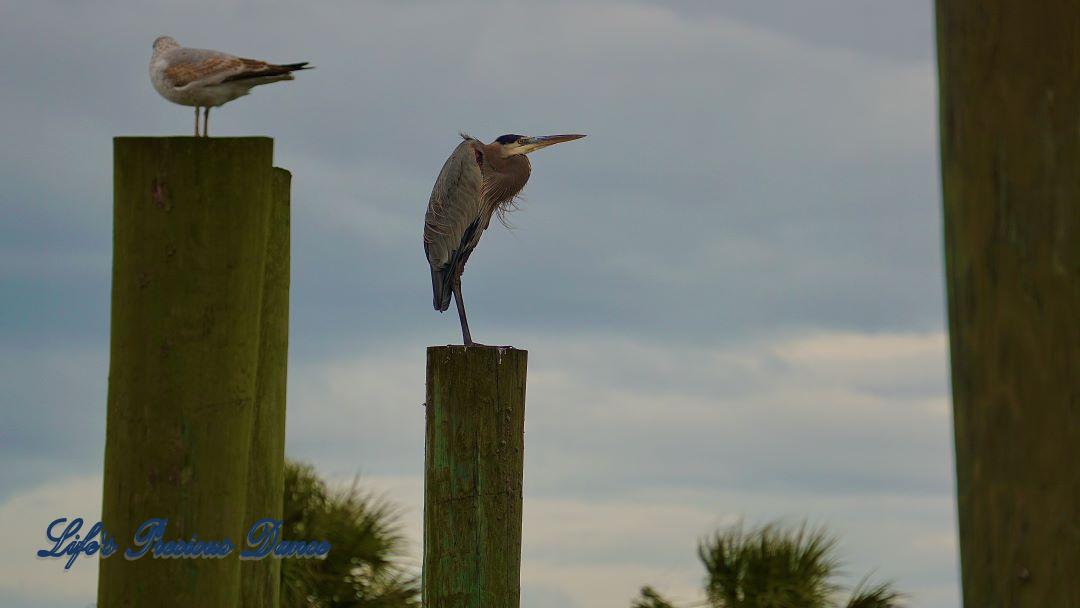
532	144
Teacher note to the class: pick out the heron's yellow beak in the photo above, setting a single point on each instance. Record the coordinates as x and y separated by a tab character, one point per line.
532	144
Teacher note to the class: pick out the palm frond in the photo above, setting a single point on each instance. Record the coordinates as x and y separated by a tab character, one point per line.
365	567
651	599
881	595
769	566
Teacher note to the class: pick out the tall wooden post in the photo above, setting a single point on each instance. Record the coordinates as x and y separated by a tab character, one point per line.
197	360
1010	156
261	579
474	452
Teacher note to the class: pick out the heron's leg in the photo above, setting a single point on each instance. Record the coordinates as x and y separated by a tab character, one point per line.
461	312
206	122
196	121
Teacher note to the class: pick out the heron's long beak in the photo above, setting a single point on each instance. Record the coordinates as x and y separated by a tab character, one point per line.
532	144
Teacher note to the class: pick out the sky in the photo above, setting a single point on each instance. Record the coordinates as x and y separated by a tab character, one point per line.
731	290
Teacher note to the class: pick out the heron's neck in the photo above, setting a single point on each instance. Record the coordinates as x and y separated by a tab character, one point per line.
506	176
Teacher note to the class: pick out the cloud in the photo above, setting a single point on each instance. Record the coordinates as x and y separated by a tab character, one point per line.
53	419
39	581
731	290
898	31
634	455
635	450
797	176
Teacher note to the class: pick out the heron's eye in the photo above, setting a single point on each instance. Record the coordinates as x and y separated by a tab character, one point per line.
521	141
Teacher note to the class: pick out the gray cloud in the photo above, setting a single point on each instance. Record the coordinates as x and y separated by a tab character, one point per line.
798	177
759	183
635	449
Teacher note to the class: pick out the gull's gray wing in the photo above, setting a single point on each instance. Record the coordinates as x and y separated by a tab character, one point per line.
455	218
204	67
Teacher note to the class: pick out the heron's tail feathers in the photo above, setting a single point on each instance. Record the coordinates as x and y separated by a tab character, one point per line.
440	285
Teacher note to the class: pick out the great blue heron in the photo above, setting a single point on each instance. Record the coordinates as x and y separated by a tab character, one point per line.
207	79
476	182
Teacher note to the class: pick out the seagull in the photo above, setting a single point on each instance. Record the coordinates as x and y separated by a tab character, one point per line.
207	79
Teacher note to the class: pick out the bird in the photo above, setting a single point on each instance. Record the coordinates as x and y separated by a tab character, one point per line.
207	79
477	181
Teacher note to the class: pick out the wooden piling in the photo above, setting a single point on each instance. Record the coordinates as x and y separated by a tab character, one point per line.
1010	159
260	580
198	341
474	452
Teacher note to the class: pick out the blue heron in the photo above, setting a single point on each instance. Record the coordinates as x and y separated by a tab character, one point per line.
477	181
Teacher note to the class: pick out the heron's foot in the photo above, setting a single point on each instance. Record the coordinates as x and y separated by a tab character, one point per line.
471	343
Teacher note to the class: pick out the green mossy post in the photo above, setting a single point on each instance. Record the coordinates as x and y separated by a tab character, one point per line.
1010	156
197	356
261	579
474	448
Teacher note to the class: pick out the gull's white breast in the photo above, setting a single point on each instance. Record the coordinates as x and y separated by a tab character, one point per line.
197	93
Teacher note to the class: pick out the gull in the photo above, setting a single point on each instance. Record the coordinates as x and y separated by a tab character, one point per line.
207	79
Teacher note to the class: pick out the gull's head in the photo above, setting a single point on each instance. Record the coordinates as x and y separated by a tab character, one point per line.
164	43
512	145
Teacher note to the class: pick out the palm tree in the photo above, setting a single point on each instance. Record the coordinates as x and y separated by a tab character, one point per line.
775	567
365	567
651	599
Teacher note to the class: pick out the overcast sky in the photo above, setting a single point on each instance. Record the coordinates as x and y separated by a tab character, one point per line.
732	287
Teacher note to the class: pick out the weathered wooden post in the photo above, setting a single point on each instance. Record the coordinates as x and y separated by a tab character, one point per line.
473	460
1010	157
197	362
261	579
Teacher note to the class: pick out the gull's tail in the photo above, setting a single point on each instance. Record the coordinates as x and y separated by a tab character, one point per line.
259	70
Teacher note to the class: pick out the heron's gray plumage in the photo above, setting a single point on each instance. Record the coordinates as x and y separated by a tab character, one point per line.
476	182
473	185
454	206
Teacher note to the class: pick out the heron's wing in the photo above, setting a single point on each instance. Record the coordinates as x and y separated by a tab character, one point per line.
455	218
454	205
202	67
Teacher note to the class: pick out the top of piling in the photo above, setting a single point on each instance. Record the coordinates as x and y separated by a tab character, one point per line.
461	349
120	138
240	153
475	354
